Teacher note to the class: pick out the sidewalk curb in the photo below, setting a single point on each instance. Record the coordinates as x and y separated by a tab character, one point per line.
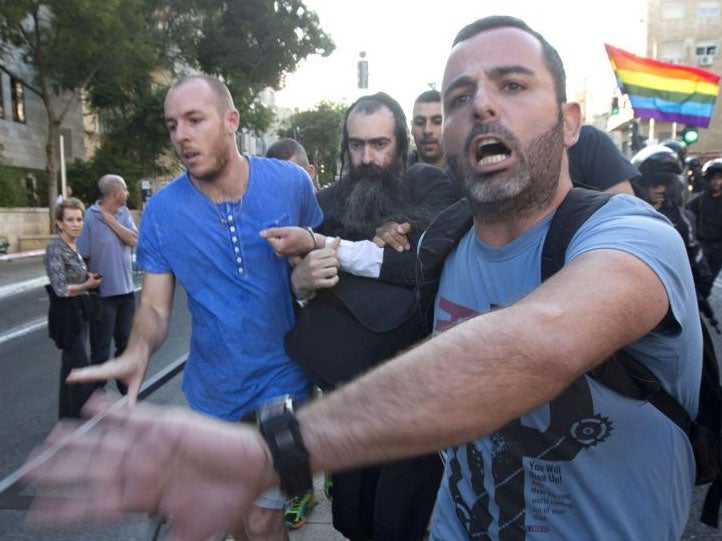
22	255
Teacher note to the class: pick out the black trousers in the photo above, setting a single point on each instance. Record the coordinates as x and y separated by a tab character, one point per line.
111	323
713	252
72	397
392	502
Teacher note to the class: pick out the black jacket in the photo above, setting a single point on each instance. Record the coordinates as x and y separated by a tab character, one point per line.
66	315
424	186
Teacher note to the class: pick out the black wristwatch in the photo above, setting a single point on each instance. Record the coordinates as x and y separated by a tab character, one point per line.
279	427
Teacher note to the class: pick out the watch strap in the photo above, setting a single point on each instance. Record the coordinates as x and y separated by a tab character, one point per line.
290	456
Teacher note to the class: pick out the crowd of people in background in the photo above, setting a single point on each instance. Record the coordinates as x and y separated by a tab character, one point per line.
264	254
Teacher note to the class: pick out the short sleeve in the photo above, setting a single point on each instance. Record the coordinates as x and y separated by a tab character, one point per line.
149	252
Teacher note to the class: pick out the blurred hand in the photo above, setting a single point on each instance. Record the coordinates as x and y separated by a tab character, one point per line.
394	235
198	473
127	368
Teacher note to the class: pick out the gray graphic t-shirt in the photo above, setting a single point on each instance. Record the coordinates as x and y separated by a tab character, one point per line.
591	464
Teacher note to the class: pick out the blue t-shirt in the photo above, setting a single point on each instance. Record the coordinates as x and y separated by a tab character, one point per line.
591	464
106	253
238	289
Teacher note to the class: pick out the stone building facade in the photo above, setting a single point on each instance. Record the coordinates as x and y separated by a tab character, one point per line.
688	32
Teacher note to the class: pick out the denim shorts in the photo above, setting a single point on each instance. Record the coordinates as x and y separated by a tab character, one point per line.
273	498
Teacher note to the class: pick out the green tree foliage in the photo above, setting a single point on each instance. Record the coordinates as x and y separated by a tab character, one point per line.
320	130
14	190
251	44
113	53
75	46
133	140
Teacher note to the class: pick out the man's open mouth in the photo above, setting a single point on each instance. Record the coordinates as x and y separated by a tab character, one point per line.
490	151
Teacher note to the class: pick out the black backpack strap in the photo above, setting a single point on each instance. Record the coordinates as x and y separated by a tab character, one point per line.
621	371
631	378
577	207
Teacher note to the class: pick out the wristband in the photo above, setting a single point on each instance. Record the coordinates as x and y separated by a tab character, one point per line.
279	427
313	236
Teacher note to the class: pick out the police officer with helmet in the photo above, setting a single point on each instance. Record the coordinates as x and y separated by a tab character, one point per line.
661	186
693	169
707	208
680	149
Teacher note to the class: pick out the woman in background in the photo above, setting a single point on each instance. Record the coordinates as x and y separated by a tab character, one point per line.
70	308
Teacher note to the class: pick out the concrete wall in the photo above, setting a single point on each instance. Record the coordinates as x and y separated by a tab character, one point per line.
23	222
27	228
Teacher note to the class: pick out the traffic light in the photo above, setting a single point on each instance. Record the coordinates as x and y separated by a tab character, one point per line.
615	106
636	140
690	135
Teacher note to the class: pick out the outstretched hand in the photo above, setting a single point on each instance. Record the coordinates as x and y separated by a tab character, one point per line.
199	474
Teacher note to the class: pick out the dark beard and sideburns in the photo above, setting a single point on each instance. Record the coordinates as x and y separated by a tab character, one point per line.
370	196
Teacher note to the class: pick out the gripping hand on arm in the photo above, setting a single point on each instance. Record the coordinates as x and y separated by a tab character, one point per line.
125	234
394	235
318	270
292	240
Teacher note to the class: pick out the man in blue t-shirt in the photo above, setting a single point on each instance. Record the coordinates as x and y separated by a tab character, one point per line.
536	450
202	230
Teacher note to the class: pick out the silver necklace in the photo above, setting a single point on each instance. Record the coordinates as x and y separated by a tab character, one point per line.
231	211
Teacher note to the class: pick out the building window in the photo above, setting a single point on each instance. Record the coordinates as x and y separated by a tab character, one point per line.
18	100
705	49
671	51
672	10
707	9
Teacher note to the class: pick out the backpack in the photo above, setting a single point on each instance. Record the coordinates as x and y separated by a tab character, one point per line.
621	371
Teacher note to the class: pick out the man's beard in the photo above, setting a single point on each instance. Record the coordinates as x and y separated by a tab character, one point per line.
218	151
370	196
512	193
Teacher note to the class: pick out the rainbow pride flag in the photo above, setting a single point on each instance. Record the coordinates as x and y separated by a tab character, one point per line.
665	91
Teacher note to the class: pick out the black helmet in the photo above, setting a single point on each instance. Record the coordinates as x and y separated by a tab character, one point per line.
680	147
692	162
711	168
658	164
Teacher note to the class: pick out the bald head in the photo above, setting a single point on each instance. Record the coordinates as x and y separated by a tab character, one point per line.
218	89
113	192
109	184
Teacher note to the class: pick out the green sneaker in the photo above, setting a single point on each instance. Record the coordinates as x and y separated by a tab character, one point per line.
298	509
328	486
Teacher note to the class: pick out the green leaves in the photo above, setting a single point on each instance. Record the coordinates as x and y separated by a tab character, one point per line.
321	128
